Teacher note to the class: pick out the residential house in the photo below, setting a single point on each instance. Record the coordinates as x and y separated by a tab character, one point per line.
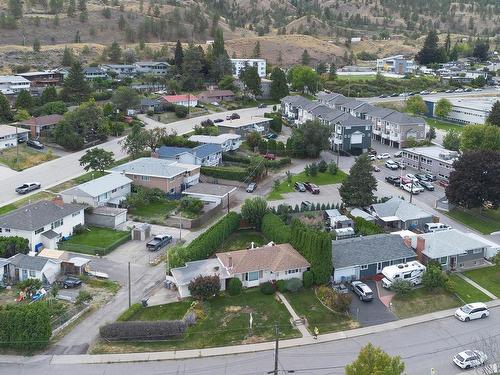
184	100
43	79
10	85
41	126
351	135
244	126
167	175
154	105
156	68
208	154
120	70
290	106
240	64
212	193
228	142
94	72
364	257
376	116
25	267
108	190
43	223
358	109
433	159
4	271
11	135
252	266
337	220
211	96
452	249
397	213
356	212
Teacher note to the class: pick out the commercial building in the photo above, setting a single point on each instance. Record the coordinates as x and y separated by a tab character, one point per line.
10	136
464	110
433	159
240	64
397	64
13	84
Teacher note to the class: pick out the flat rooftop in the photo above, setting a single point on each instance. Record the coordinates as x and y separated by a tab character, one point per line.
478	104
210	189
435	152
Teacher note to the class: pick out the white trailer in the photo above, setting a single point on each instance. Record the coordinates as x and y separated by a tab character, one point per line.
411	272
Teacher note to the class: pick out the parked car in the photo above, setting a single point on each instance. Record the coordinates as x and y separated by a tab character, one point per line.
159	241
27	187
234	116
400	164
435	227
385	155
444	183
269	156
251	187
405	181
471	311
394	95
313	188
271	135
35	144
372	157
262	105
306	205
218	120
421	177
418	187
410	189
398	154
427	185
430	177
372	151
391	164
411	177
470	359
362	290
393	180
340	288
71	282
375	168
299	186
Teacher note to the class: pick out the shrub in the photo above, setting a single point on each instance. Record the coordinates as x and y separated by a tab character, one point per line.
276	164
275	229
235	158
227	173
322	166
204	287
496	259
102	95
401	287
181	111
191	205
234	286
10	246
143	331
130	312
332	168
342	302
308	279
25	326
281	286
450	286
294	285
267	288
83	297
150	112
433	277
366	228
253	211
29	285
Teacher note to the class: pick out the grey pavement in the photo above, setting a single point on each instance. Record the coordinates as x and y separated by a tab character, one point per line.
301	327
370	313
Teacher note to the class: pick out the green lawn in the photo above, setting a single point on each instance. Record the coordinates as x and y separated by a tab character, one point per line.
357	77
467	292
156	211
226	323
443	125
7	208
305	304
242	239
422	301
488	278
171	311
320	179
486	222
95	240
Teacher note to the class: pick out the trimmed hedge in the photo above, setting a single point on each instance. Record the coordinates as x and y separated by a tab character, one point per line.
275	229
204	246
294	285
226	173
143	331
267	288
276	164
366	228
235	158
25	326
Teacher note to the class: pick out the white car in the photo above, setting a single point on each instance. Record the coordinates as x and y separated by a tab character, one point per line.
412	177
409	189
372	157
391	164
471	311
418	187
470	359
385	155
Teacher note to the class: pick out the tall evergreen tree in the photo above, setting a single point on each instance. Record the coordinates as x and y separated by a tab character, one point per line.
256	50
75	88
218	45
251	79
15	8
24	100
357	189
178	55
494	116
115	52
5	111
429	53
36	45
447	44
332	73
306	59
68	57
192	68
279	86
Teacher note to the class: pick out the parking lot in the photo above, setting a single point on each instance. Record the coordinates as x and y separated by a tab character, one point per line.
370	313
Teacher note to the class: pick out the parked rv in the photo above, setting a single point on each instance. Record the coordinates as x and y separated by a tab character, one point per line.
411	272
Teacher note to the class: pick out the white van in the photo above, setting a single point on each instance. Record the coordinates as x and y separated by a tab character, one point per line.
435	227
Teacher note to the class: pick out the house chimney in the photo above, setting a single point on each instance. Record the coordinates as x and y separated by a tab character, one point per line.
229	261
57	200
420	248
407	241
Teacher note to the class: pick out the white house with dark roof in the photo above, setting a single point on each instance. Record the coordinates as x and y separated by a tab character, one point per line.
94	72
106	190
397	213
23	267
228	142
156	68
43	223
208	154
13	84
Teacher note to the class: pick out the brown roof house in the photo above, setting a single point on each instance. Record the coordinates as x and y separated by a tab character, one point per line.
211	96
252	266
41	126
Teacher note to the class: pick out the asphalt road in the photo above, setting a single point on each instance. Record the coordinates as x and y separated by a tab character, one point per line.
487	91
67	167
422	347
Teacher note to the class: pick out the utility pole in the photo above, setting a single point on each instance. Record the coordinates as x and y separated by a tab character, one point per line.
129	290
276	328
17	150
411	191
180	225
227	202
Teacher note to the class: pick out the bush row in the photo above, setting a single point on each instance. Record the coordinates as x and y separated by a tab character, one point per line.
276	164
226	173
366	228
235	158
25	326
204	246
138	330
275	229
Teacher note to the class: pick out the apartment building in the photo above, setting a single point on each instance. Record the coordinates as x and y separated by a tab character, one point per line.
240	64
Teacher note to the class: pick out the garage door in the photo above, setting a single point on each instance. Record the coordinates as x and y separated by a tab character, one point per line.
344	274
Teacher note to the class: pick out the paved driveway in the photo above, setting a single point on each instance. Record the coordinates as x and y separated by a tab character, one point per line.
370	313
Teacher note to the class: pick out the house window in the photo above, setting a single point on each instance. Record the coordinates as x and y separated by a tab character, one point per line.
75	214
39	230
443	260
144	178
253	276
364	267
113	191
56	224
477	251
292	271
7	230
32	273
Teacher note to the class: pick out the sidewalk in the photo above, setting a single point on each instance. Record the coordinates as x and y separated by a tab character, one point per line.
238	349
301	327
476	285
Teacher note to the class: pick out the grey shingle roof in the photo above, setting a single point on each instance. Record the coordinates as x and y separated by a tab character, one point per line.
449	242
403	119
350	120
37	215
333	114
399	208
150	167
99	186
321	111
326	97
296	100
201	151
368	250
380	112
29	262
353	104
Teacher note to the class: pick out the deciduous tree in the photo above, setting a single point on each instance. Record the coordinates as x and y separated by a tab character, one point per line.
97	159
125	98
451	140
135	143
357	189
416	105
303	79
494	116
443	107
309	140
374	361
480	137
